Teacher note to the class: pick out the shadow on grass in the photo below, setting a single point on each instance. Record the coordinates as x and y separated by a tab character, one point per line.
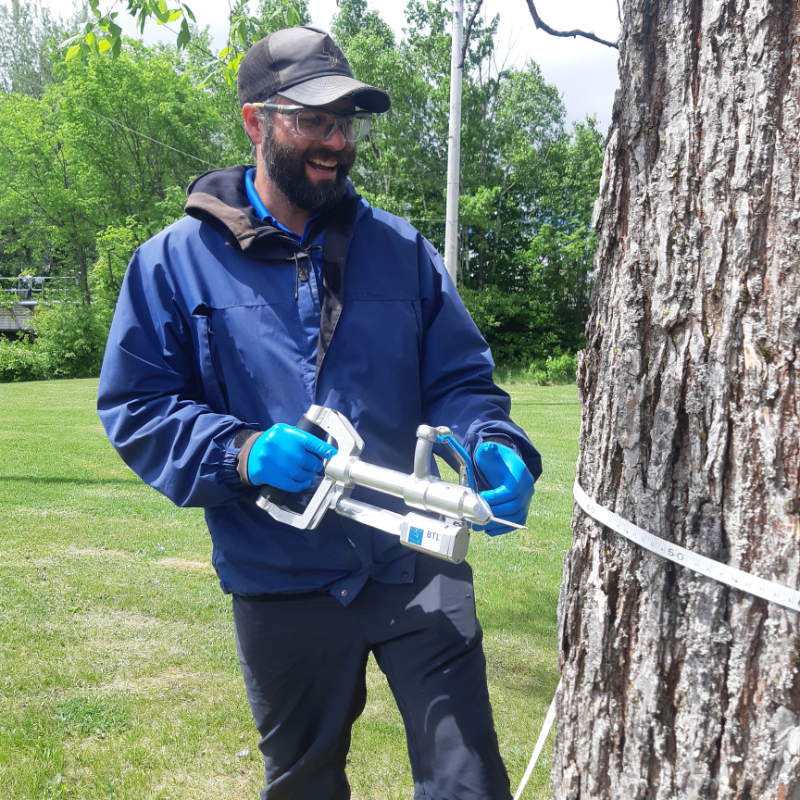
563	403
517	619
132	481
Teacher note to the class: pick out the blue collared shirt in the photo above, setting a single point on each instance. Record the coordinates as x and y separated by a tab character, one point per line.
309	304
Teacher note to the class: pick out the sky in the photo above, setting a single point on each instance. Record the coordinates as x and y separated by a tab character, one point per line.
585	72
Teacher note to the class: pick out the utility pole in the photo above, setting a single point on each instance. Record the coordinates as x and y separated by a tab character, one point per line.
454	144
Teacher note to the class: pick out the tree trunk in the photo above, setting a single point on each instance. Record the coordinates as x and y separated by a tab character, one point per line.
83	275
675	686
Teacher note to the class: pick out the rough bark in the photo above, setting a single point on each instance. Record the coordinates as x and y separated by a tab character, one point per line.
675	686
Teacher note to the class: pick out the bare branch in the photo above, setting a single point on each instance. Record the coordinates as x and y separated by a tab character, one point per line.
619	13
468	32
537	21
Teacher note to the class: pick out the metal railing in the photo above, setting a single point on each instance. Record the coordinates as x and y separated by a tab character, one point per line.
29	289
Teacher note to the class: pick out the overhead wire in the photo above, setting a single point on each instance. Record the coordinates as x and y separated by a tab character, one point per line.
145	136
127	128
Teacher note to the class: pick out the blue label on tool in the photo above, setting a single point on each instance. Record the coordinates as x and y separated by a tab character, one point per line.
415	535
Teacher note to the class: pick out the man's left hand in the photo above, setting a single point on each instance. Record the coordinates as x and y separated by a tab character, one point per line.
513	485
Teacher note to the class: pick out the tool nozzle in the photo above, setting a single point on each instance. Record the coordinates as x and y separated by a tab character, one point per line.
477	510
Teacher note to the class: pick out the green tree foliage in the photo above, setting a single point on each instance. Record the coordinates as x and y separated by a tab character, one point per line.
100	32
527	184
95	164
87	155
29	34
95	155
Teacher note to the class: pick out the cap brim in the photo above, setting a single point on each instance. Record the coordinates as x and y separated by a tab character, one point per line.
321	91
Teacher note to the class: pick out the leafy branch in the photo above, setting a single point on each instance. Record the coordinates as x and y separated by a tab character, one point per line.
468	32
103	35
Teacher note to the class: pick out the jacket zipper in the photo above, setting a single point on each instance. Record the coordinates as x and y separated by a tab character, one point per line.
302	251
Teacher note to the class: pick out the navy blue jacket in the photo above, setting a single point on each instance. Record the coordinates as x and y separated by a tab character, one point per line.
207	345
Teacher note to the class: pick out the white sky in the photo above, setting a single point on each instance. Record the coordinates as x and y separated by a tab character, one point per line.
585	72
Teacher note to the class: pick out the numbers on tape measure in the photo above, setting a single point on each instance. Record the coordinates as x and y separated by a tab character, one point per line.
768	590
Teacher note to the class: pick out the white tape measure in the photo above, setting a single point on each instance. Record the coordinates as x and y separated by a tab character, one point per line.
768	590
774	592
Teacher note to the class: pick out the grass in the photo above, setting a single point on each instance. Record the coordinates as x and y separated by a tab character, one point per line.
118	669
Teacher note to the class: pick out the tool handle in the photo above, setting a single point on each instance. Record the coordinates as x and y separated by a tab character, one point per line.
278	496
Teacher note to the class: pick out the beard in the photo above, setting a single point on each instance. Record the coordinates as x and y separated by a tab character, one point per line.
286	167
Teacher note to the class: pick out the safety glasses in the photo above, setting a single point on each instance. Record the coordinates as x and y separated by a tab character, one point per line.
313	123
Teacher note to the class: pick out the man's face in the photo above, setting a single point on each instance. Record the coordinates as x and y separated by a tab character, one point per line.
311	174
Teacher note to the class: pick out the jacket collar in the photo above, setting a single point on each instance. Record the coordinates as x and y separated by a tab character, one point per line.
219	197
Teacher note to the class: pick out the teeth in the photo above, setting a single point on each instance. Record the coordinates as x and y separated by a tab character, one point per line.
323	163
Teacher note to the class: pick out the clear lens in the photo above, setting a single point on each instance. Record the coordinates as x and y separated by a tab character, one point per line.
358	127
321	126
314	124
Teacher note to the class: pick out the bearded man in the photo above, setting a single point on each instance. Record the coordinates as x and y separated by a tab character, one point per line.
283	288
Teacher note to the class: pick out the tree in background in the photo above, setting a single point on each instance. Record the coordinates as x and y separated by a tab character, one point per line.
29	35
81	163
527	186
86	155
99	159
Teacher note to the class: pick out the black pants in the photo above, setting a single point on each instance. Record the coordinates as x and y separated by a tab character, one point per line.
304	661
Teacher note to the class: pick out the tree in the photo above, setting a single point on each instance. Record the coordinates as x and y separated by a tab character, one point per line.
44	209
674	685
527	187
88	155
28	33
100	33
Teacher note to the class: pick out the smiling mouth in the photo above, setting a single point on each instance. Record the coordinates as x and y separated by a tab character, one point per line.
323	166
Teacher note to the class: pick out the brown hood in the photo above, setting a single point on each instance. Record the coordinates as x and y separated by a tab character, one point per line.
219	198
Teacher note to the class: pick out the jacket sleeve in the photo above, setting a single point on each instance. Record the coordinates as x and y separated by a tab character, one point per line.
457	366
151	401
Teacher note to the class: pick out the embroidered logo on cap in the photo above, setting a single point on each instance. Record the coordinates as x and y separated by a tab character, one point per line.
331	50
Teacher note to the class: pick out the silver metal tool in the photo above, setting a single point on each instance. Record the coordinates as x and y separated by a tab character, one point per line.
459	506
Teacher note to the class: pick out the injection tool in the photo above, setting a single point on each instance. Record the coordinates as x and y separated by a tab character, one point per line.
451	509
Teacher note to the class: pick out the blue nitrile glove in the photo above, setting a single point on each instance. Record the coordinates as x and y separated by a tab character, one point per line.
287	458
513	485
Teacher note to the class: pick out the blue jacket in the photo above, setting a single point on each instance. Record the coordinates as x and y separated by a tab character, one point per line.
207	345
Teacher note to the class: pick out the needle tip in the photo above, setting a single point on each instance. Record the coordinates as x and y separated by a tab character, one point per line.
510	524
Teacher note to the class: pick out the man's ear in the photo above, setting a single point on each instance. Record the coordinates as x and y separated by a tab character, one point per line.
252	124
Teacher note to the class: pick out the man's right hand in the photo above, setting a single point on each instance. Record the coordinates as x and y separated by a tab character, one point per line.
287	458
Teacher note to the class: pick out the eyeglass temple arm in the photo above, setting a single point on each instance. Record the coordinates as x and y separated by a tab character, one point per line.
280	108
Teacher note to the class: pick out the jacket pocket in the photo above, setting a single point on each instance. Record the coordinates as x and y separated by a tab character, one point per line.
212	388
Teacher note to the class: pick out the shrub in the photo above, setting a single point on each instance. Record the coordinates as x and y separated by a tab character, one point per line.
21	361
69	343
71	339
562	369
517	325
558	369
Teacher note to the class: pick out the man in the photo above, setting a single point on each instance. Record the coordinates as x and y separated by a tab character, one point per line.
283	288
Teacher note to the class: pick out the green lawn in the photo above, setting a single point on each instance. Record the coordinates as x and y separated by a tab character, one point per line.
118	671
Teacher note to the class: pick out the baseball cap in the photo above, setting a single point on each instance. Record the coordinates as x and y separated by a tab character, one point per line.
306	66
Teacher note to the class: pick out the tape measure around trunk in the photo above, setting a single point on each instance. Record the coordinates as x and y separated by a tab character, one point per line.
768	590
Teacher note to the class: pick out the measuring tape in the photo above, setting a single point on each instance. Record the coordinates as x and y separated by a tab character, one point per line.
543	734
768	590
